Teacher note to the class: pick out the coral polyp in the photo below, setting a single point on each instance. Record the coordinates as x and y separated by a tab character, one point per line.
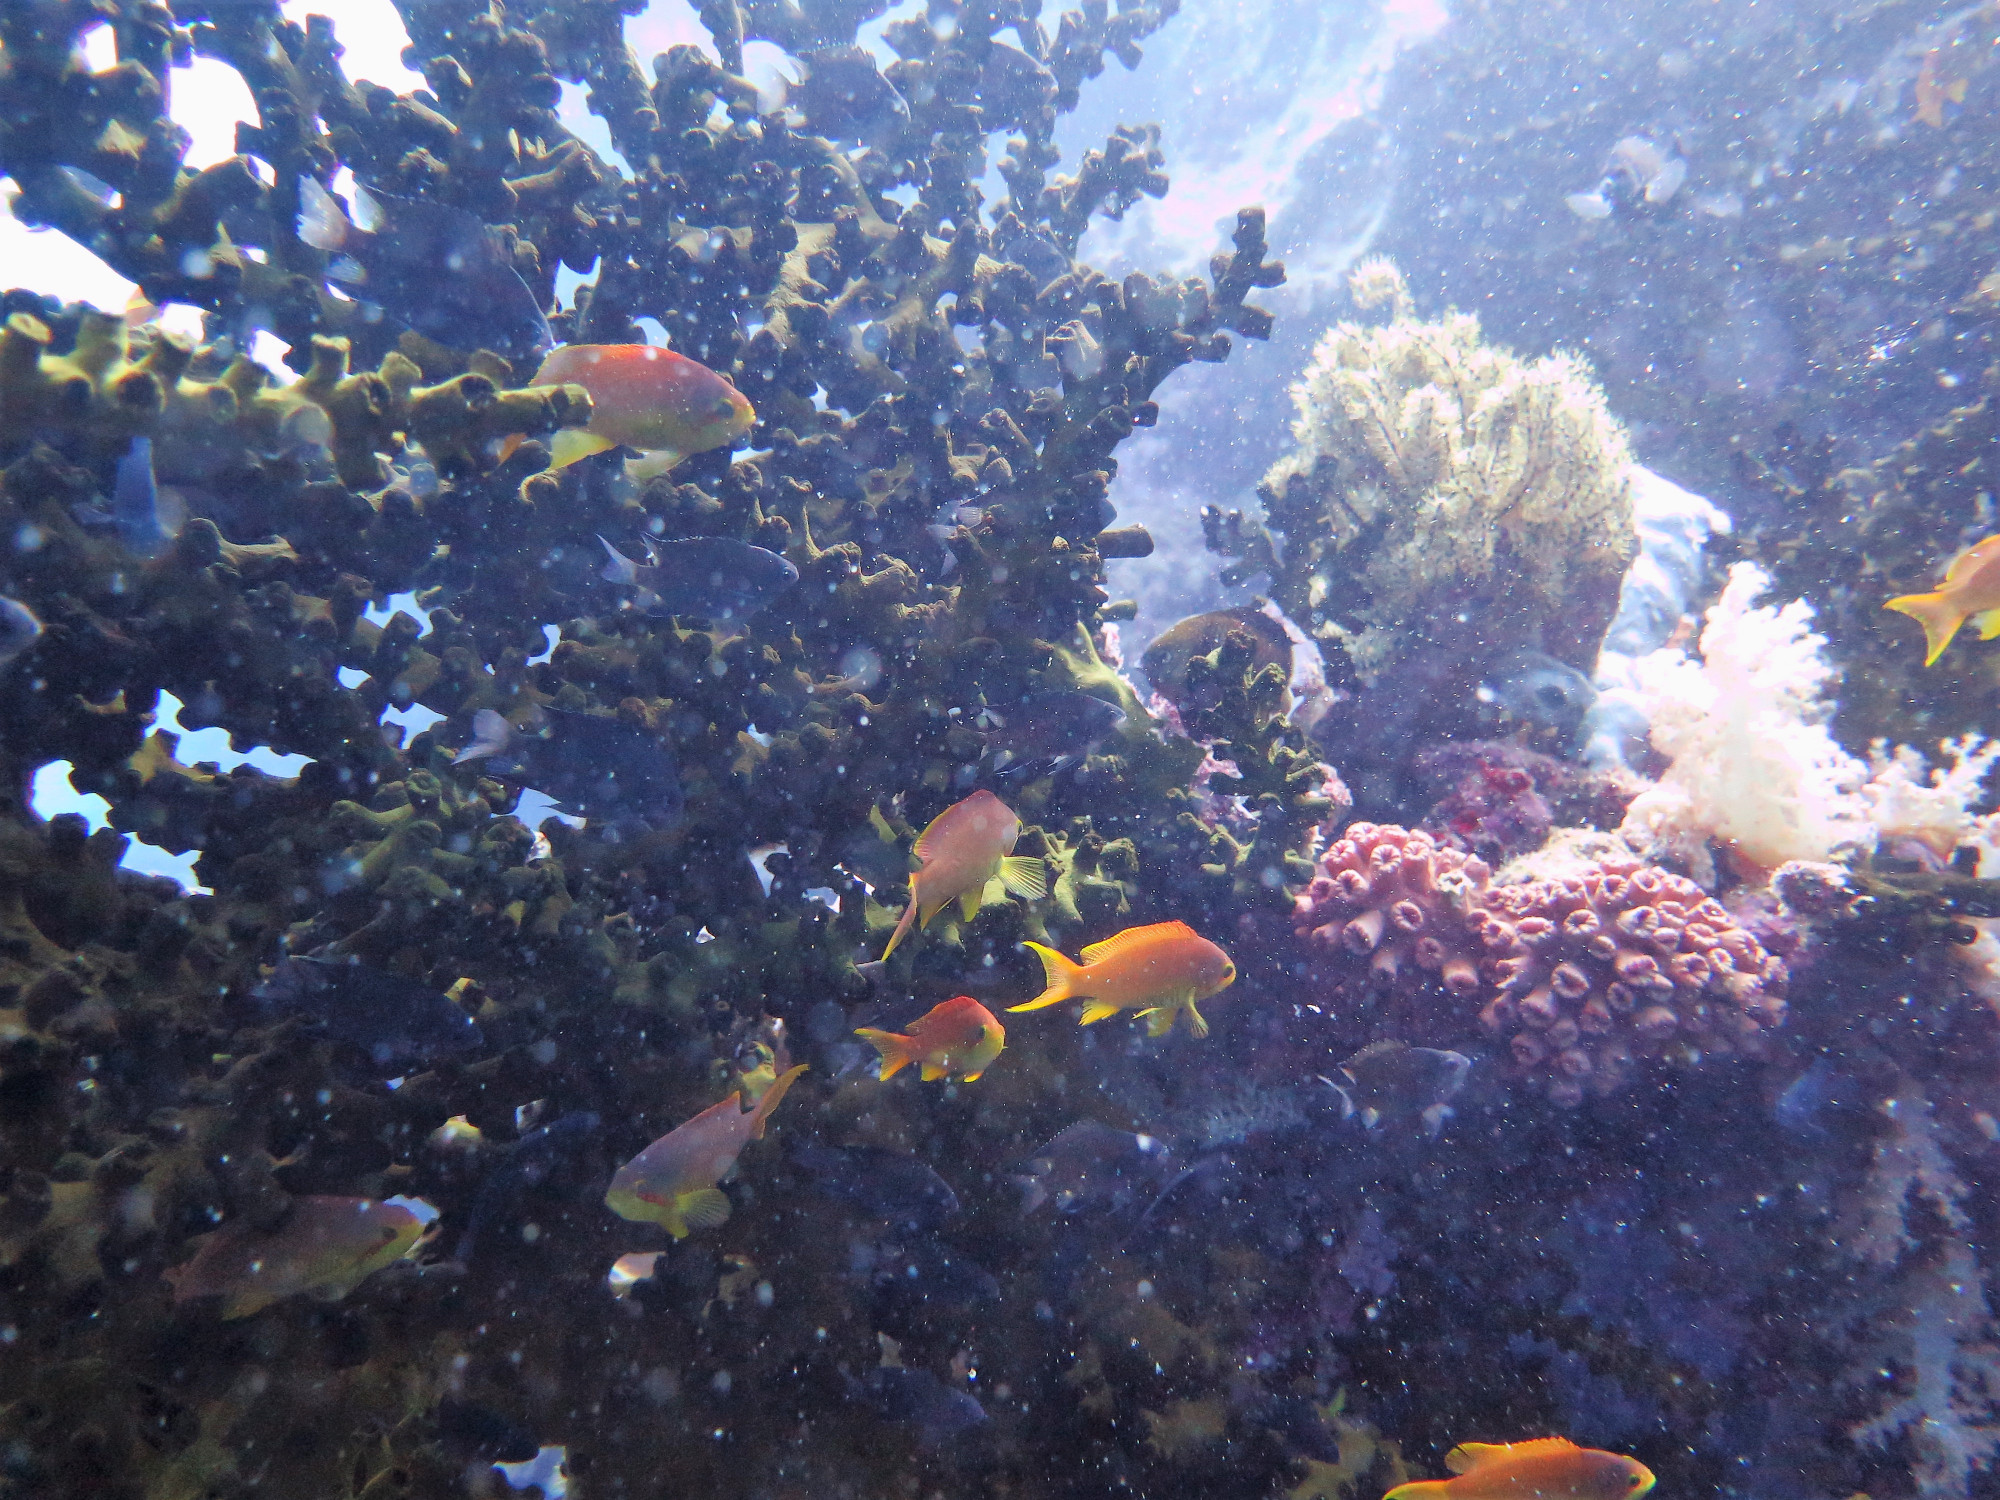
1627	962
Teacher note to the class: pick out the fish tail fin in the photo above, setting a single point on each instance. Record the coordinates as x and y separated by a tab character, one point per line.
135	497
903	926
490	734
1420	1489
894	1047
573	443
771	1097
620	568
322	223
1059	975
1936	614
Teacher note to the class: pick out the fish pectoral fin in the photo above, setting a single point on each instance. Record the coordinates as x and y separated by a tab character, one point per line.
972	1077
652	463
1025	876
1094	1012
704	1208
930	1072
1197	1022
573	443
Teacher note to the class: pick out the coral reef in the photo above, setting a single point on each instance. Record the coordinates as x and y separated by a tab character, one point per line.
397	982
1581	976
1624	963
1447	504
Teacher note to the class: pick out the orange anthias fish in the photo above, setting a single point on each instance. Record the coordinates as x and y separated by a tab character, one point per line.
327	1246
1160	971
673	1181
647	398
958	1039
1970	591
1549	1468
967	848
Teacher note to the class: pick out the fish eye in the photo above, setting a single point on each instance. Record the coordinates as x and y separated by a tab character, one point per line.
724	406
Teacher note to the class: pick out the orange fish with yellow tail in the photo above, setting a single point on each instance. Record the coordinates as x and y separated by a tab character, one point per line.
664	403
1159	971
1550	1468
957	1039
673	1181
966	851
1970	591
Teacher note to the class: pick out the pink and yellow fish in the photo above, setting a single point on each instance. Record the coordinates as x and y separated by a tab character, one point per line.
655	400
1970	591
1159	971
673	1181
326	1246
1550	1468
957	1039
964	855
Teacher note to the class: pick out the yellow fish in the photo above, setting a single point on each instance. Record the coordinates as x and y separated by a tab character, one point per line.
673	1181
1550	1468
1970	591
1159	971
966	848
327	1246
652	399
958	1038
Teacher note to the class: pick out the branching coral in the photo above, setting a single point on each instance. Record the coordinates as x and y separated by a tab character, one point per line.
1932	1321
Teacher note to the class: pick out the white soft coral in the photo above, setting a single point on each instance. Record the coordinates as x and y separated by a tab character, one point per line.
1751	764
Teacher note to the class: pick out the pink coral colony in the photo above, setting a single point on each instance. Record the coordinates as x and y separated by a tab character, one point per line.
1584	976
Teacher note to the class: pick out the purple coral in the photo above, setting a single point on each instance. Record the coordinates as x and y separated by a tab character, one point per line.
1626	962
1396	898
1584	975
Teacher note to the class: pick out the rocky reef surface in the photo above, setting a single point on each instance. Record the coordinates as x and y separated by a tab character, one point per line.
303	1173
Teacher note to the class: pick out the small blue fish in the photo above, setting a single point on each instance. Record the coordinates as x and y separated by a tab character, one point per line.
593	765
136	505
526	1164
898	1190
704	577
1045	734
918	1400
397	1023
1535	688
429	266
19	630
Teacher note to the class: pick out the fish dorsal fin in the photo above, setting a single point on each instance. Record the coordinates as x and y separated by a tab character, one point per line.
1152	934
1967	562
1468	1456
